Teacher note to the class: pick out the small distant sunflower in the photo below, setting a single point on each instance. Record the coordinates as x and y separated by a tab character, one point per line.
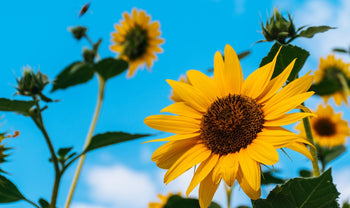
163	201
328	128
228	127
137	40
330	69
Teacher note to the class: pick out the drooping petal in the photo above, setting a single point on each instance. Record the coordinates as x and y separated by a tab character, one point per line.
287	119
233	71
196	154
229	167
167	154
262	152
301	148
243	182
191	95
202	171
250	169
207	189
180	108
173	124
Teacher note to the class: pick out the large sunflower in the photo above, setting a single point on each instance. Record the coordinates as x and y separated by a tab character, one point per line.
229	126
137	40
330	69
328	128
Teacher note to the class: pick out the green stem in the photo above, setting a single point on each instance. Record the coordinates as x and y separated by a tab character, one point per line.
228	194
38	120
313	152
102	84
30	202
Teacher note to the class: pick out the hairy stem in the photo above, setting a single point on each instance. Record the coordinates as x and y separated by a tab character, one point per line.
102	84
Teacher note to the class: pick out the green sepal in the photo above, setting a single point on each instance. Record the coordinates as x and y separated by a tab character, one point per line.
326	155
311	31
74	74
8	191
110	138
177	201
287	54
18	106
317	192
325	87
110	67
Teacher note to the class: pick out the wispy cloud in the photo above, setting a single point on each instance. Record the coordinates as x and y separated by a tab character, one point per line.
341	179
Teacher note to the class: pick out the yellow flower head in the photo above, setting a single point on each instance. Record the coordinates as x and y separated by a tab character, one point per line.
163	201
328	128
331	68
137	40
228	127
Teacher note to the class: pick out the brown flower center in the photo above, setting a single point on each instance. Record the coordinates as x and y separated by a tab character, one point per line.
231	123
136	43
324	127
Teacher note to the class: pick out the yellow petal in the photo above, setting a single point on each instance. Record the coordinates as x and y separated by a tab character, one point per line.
277	109
202	171
276	83
301	148
196	154
180	108
219	75
250	169
202	82
257	81
176	137
243	182
233	71
287	119
262	152
173	124
167	154
190	95
207	189
229	165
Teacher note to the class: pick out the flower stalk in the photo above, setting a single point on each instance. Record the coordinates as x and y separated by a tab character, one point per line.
228	194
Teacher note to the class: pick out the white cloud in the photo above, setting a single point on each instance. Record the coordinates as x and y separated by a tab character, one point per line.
341	179
120	186
315	13
83	205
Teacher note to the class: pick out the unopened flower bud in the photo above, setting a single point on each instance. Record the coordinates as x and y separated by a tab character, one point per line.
78	32
31	84
89	55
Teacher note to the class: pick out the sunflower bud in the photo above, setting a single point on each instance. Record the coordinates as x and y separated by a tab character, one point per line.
89	55
78	32
31	84
279	28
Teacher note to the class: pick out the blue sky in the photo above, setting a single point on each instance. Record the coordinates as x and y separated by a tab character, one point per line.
35	33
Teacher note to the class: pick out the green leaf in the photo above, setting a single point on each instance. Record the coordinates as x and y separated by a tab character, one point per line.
110	67
109	138
340	50
268	178
243	54
242	206
177	201
62	152
346	205
43	203
317	192
74	74
311	31
18	106
8	191
326	155
287	54
305	173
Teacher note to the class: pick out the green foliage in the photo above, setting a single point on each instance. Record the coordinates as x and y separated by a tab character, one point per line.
287	54
346	205
8	191
109	138
31	84
242	206
177	201
268	178
305	173
63	155
317	192
74	74
311	31
17	106
326	155
110	67
325	87
43	203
